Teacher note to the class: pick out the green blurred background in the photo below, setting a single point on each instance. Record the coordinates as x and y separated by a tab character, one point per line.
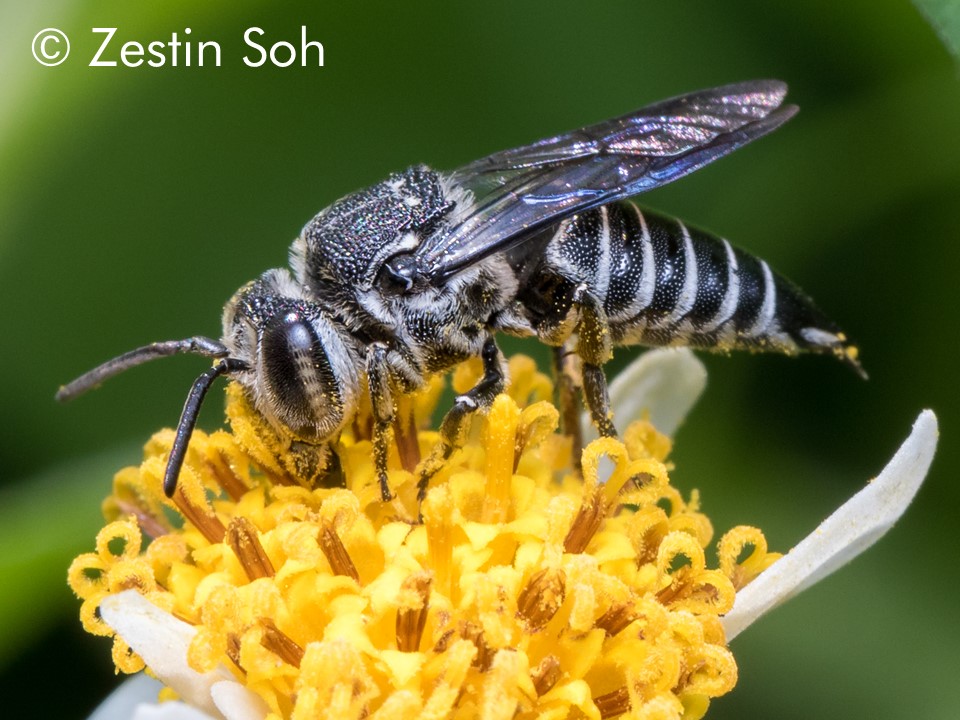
133	202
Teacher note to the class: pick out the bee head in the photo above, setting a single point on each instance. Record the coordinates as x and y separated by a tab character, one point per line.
305	376
302	373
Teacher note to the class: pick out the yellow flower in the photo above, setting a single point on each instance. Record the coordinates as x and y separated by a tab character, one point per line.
520	588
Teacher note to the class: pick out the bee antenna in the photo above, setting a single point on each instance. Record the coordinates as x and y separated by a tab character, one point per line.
198	345
188	418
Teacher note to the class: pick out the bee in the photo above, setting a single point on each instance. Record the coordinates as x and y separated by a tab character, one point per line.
409	277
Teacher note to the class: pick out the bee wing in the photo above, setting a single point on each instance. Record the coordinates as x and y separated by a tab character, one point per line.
518	192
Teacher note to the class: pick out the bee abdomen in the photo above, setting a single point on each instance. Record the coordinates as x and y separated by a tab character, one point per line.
663	283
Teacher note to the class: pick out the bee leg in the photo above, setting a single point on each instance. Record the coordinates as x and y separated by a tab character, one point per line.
594	348
381	400
452	427
567	372
597	399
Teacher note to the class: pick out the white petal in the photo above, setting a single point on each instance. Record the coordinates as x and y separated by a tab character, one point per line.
120	704
854	527
238	703
162	641
174	710
665	383
136	699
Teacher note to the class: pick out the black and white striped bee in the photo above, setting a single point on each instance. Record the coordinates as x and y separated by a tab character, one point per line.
411	276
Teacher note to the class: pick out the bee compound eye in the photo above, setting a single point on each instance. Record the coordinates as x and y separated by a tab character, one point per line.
300	382
397	274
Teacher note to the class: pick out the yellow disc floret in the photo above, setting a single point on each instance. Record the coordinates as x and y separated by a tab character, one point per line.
520	587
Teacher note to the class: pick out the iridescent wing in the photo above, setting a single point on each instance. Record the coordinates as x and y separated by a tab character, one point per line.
518	192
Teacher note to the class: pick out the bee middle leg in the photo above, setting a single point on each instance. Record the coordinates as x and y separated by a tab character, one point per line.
479	396
381	401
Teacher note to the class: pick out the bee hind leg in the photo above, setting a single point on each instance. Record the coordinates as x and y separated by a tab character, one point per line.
452	428
595	348
567	374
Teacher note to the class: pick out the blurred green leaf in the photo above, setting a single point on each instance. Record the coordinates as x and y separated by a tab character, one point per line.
944	15
44	522
134	201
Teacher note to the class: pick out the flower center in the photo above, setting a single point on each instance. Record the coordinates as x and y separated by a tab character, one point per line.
526	588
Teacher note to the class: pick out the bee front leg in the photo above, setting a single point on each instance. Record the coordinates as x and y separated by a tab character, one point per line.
595	349
381	401
479	396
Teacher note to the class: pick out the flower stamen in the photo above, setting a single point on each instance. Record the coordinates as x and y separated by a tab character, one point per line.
613	703
542	597
231	483
412	613
192	504
336	554
546	674
242	538
589	518
233	650
279	643
405	434
616	619
473	633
